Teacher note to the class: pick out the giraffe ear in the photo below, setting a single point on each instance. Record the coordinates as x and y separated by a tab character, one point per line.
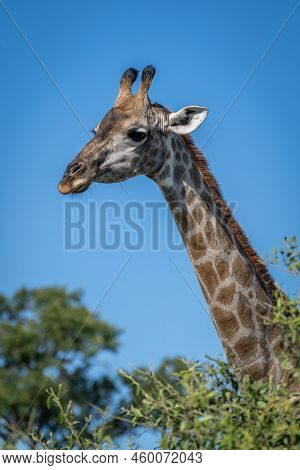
187	119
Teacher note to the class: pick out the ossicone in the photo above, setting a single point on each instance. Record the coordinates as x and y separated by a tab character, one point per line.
127	80
147	77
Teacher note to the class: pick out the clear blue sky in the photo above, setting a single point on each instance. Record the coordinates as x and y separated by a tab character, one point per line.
203	51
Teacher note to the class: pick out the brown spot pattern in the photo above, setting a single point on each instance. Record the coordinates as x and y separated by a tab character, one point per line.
245	311
210	234
224	239
208	276
197	244
226	324
226	294
222	268
242	272
246	347
255	370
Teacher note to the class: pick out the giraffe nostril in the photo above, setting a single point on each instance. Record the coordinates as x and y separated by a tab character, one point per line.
76	168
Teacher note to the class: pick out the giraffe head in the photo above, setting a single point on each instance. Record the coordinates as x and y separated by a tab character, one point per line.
130	139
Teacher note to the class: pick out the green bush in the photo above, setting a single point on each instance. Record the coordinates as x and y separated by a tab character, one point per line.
48	337
202	405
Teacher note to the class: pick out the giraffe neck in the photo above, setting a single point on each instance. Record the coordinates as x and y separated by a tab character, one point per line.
237	296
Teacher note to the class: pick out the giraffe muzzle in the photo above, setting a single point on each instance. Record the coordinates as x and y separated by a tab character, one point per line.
75	179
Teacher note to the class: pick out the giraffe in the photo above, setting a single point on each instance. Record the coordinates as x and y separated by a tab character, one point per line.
140	137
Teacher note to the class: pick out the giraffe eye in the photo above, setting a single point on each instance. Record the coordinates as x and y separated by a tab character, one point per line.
137	135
